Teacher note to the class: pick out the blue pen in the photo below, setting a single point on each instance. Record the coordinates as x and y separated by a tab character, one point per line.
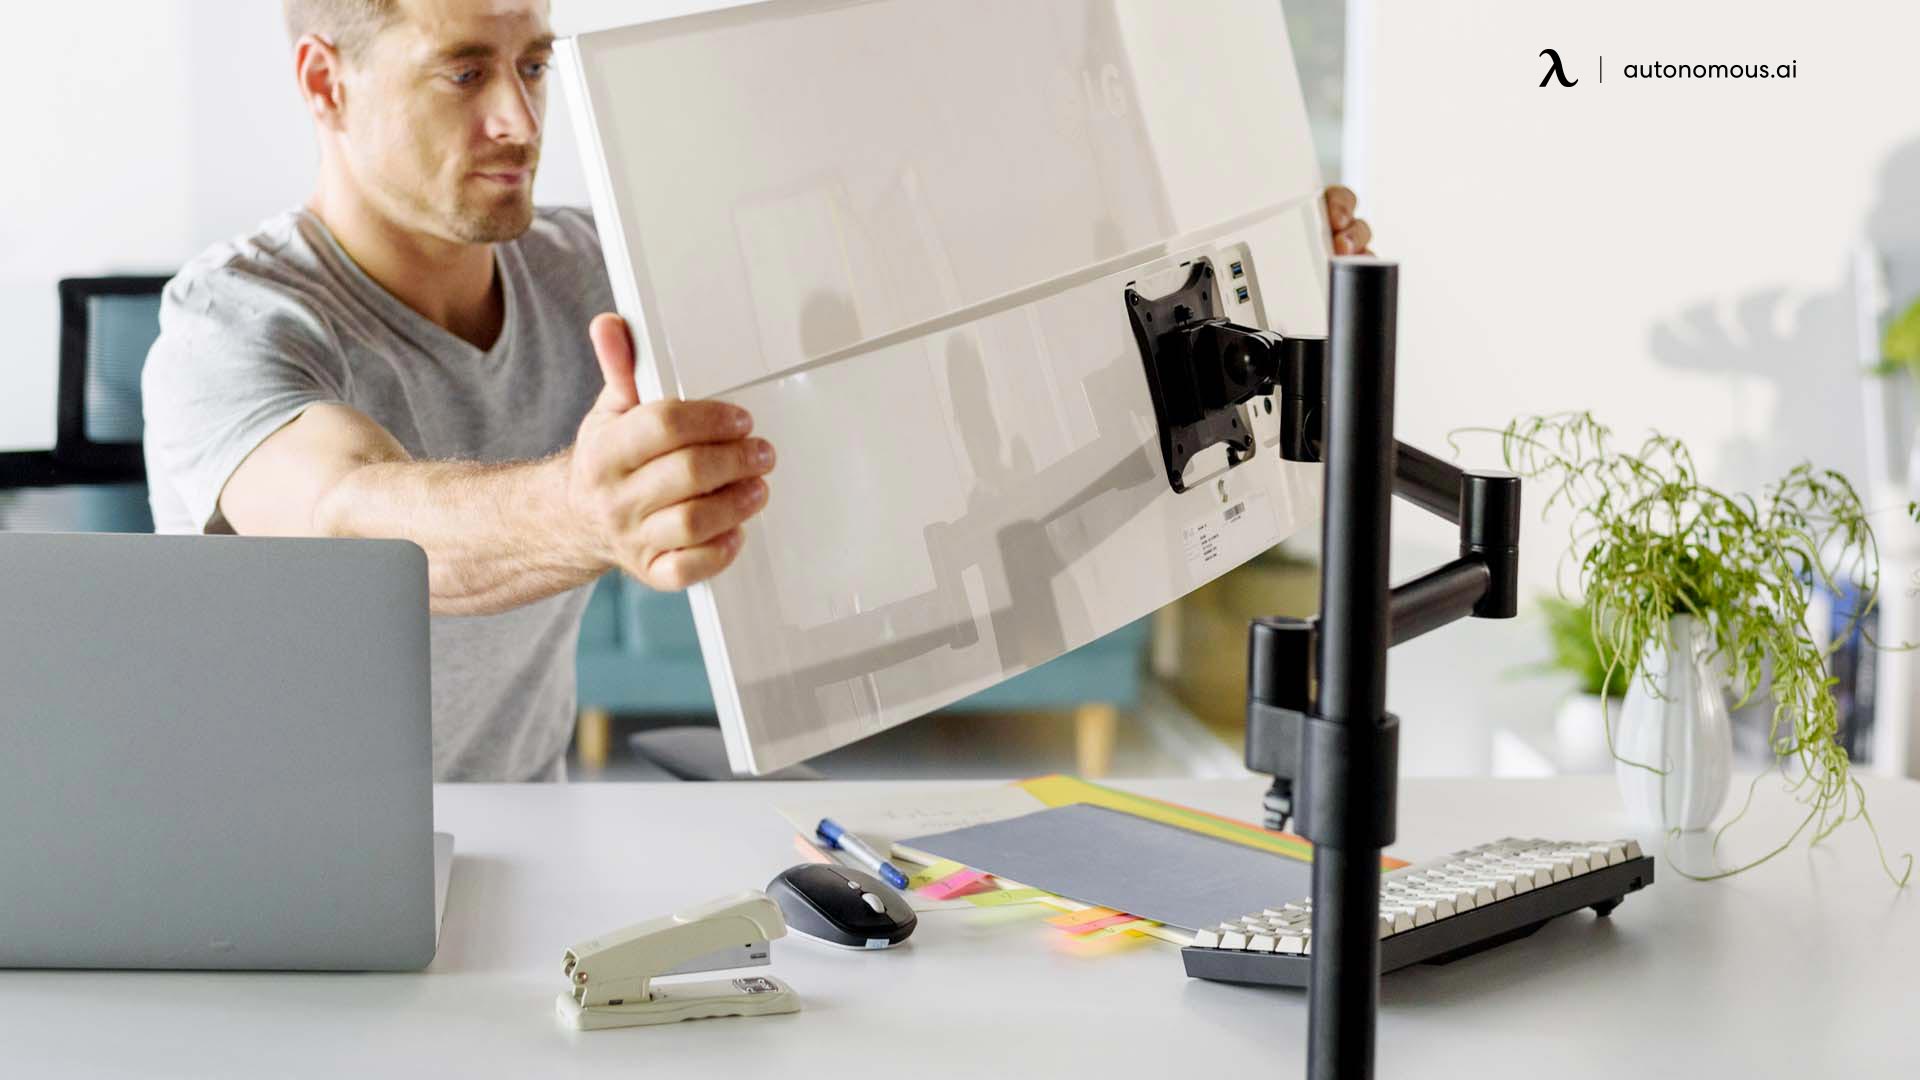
838	838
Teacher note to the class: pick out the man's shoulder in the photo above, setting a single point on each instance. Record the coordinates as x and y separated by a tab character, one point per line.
265	275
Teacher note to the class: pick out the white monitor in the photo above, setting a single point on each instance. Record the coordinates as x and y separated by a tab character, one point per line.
900	232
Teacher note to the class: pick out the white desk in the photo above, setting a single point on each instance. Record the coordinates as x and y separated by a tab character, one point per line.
1809	966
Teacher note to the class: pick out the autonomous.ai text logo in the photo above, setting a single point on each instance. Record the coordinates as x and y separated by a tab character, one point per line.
1669	69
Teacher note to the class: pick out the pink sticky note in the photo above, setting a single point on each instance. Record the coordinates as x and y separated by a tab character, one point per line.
1099	924
953	885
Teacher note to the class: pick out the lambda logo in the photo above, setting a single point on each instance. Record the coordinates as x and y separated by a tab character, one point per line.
1554	71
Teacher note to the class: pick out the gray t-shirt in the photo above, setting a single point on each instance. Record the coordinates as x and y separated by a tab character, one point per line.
257	329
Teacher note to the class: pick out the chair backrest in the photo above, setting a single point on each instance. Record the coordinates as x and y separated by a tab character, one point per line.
107	324
93	480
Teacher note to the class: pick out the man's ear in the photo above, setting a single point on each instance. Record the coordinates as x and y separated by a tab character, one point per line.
318	68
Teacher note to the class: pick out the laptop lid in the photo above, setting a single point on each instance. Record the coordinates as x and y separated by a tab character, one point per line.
215	752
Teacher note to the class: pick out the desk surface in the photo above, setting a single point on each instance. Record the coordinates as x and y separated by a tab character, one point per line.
1806	966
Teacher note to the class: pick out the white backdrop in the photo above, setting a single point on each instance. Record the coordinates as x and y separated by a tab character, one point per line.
1667	253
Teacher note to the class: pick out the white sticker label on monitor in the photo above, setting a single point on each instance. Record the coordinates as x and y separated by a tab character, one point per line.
1229	536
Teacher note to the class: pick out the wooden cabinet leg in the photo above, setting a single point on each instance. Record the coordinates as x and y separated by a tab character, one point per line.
1094	730
593	737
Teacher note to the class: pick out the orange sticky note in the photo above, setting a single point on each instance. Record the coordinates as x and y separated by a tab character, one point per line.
1091	925
1085	915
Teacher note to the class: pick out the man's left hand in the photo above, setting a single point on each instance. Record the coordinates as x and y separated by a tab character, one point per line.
1350	234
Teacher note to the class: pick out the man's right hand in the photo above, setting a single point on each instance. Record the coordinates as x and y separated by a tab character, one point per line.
660	490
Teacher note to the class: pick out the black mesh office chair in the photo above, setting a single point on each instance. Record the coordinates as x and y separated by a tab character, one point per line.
93	480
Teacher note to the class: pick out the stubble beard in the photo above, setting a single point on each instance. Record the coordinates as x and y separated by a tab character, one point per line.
506	219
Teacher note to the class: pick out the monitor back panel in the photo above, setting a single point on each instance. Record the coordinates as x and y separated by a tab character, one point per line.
214	753
900	233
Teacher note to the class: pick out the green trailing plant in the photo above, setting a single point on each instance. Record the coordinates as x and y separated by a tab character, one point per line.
1576	651
1649	540
1900	345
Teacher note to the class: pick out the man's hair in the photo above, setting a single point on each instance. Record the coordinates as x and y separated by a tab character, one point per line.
349	24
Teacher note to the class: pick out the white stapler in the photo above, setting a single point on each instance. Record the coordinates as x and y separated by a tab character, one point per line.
610	978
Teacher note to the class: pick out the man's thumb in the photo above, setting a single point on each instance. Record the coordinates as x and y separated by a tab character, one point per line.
614	348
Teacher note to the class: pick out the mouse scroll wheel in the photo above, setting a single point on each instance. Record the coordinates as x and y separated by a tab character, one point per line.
878	905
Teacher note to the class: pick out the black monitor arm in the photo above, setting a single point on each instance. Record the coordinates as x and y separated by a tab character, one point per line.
1316	688
1481	583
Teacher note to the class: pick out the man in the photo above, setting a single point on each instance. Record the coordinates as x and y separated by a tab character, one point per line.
406	356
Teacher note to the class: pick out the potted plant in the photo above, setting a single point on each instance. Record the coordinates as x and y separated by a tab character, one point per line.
1702	588
1585	715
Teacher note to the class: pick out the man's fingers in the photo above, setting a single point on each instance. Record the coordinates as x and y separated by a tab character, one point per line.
613	346
699	520
1353	240
672	571
1341	202
659	428
693	471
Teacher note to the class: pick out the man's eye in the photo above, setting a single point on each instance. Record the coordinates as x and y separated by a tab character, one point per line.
466	77
534	70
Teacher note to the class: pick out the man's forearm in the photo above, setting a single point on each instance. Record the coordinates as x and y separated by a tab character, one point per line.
496	536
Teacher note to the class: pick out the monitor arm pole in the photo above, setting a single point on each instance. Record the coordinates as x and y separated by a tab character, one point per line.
1316	688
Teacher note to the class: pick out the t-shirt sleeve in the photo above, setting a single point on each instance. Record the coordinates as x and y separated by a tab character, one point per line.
236	360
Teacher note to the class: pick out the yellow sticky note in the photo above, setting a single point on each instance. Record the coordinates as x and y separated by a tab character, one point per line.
1004	897
945	868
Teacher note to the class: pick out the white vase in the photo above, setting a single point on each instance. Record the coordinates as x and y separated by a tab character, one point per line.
1679	726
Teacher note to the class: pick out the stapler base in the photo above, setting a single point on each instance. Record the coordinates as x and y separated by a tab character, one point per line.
755	995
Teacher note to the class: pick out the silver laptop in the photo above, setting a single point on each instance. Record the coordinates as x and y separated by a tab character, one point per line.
215	752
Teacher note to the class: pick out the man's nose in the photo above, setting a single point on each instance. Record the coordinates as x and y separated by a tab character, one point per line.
513	113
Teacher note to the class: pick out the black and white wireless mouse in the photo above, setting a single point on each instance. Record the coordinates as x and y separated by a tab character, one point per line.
843	907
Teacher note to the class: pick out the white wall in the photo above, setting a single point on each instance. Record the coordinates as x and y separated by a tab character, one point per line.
1670	254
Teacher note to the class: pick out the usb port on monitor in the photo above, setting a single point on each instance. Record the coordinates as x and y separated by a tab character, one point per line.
1237	269
1240	294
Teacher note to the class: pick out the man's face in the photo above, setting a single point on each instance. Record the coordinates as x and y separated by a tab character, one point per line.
444	113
